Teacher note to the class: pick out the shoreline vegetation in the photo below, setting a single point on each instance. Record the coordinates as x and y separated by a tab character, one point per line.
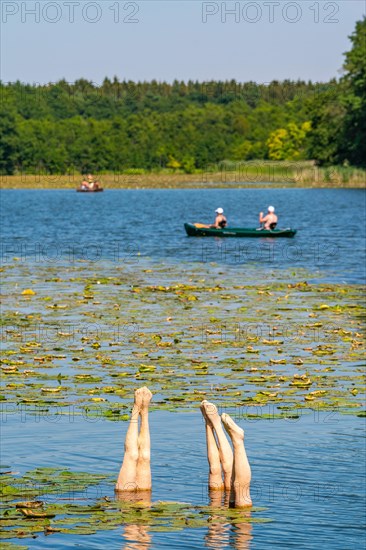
215	133
226	174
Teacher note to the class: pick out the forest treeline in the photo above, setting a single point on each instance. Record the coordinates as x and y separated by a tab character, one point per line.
184	126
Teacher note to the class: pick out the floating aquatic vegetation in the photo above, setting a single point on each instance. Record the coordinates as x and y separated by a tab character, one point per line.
12	546
84	341
28	292
71	513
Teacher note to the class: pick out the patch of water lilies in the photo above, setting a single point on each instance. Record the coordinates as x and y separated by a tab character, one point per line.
48	501
78	342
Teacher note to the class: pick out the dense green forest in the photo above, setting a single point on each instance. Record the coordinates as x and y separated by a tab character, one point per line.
121	126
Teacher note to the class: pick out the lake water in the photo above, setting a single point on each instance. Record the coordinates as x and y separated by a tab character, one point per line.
127	226
309	473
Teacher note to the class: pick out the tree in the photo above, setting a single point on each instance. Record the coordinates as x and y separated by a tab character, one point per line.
288	143
338	114
355	63
173	163
8	141
354	132
326	113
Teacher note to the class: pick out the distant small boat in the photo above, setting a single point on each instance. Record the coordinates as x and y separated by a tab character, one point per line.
199	230
81	190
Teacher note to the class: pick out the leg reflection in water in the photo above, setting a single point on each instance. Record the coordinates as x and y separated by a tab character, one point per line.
136	536
221	534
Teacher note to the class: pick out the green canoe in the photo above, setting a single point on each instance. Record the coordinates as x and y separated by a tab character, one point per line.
194	230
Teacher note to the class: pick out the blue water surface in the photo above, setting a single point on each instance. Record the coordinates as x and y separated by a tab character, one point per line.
309	472
126	226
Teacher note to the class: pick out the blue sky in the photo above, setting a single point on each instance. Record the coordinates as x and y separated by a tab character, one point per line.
262	40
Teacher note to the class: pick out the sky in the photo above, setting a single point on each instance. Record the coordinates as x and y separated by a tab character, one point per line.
264	40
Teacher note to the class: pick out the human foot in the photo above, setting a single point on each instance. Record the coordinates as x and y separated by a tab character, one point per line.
146	398
210	414
138	399
235	432
142	398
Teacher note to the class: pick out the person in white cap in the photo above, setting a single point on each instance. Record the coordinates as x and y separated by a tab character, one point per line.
220	220
270	220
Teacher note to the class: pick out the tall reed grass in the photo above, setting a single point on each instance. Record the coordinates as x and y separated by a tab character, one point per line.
225	174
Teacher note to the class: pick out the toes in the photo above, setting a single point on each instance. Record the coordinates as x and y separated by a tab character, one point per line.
231	427
227	421
203	407
210	408
207	408
139	397
146	395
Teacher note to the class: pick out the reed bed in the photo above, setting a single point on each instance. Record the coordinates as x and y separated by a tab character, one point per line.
227	174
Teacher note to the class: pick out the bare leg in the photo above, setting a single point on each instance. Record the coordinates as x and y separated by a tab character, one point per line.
127	476
143	471
241	469
213	456
225	453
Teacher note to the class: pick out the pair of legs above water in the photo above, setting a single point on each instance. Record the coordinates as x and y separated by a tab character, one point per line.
135	473
229	469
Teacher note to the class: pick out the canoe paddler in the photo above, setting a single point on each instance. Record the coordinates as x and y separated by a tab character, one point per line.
85	185
89	183
220	220
93	183
270	220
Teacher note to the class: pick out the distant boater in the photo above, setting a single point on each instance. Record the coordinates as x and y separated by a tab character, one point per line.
219	223
270	220
220	220
89	183
135	473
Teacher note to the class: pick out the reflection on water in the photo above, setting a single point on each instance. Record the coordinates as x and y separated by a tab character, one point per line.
136	536
235	534
222	535
308	468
